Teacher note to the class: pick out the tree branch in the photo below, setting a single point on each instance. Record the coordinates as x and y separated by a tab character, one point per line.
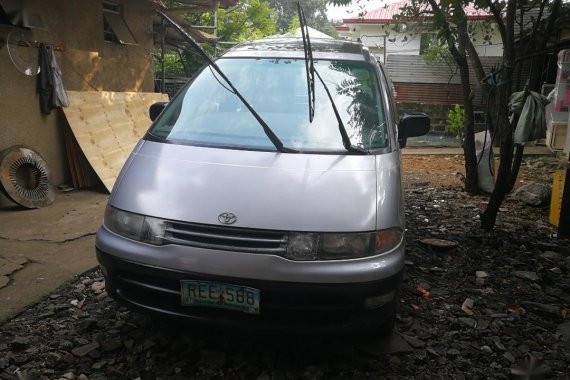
498	19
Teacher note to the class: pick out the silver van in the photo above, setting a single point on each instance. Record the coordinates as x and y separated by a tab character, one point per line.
284	211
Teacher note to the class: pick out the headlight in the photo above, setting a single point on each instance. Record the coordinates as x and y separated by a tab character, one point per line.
341	246
346	246
134	226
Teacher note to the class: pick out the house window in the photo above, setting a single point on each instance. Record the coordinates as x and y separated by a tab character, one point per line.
115	29
427	40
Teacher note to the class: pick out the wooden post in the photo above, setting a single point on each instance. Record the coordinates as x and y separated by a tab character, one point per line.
564	224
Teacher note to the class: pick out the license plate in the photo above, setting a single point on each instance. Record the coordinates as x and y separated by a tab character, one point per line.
220	295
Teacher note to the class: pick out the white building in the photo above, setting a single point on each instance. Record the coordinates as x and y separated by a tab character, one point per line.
384	34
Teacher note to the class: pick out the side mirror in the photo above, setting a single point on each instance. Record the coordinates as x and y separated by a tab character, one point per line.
412	125
156	109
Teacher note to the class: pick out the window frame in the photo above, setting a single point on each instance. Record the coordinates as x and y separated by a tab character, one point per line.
115	28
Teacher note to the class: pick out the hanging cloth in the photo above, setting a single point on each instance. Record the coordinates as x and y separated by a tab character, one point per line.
530	106
50	83
45	80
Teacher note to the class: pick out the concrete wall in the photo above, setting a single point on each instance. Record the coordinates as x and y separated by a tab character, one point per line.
88	63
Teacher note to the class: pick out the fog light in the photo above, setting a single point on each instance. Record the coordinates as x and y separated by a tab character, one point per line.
379	301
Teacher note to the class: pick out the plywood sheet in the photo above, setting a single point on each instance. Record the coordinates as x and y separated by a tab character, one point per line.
107	126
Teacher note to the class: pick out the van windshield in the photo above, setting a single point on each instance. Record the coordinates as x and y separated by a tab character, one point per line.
207	113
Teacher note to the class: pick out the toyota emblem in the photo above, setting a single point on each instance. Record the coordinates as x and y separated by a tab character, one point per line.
227	218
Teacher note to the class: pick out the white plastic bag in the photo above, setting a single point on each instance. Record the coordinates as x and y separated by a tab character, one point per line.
486	161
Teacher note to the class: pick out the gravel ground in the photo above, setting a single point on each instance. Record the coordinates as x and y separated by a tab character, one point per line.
494	306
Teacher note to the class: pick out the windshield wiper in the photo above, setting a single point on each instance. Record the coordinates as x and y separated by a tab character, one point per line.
311	71
309	65
345	139
272	136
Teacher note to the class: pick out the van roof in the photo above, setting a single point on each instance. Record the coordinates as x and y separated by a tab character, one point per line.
293	48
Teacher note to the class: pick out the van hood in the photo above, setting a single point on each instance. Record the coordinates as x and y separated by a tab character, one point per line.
266	190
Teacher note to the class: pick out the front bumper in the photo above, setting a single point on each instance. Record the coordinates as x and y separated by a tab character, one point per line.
299	306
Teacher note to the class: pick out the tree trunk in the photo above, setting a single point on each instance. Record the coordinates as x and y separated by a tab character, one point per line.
503	125
504	174
460	56
471	175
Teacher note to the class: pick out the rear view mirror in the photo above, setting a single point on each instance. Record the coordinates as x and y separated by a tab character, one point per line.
156	109
412	125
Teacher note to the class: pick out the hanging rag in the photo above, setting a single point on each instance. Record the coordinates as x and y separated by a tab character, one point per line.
45	80
530	106
52	93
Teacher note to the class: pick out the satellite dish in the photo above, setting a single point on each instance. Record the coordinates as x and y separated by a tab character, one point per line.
23	51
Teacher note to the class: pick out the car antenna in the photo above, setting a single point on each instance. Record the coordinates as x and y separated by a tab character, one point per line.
272	136
309	65
311	71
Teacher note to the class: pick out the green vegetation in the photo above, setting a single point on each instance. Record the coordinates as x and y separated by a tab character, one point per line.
455	120
249	19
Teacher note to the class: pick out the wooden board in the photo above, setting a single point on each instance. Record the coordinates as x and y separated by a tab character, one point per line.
107	126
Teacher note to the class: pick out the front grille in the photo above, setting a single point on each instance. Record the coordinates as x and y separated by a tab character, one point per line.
226	238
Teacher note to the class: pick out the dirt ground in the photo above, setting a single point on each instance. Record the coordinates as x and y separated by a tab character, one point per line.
495	306
447	171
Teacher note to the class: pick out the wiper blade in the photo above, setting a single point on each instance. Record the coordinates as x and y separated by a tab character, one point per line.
345	139
309	65
311	71
272	136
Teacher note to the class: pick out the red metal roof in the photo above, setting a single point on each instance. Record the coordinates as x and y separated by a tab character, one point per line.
387	12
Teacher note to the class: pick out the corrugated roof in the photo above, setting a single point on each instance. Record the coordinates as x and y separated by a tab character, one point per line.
387	12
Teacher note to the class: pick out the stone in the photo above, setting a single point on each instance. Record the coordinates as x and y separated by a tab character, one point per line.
52	359
84	350
98	287
509	356
564	331
486	349
88	324
20	359
554	311
469	322
4	280
526	275
99	365
19	343
414	342
533	194
439	244
551	256
65	345
110	345
481	274
68	375
453	352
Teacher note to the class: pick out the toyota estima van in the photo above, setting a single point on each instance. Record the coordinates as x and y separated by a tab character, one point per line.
283	211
